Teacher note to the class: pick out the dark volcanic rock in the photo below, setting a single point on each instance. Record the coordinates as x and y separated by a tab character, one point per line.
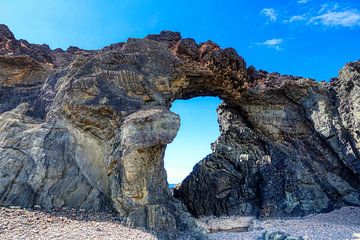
88	129
283	151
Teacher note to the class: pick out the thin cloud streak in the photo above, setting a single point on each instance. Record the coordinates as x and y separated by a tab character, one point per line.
272	43
295	19
348	18
303	1
328	16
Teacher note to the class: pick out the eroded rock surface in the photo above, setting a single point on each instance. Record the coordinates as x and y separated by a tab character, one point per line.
88	129
284	150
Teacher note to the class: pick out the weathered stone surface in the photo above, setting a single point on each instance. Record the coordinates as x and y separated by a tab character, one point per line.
283	150
88	129
348	92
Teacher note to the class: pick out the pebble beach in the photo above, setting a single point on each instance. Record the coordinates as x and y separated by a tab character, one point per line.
16	224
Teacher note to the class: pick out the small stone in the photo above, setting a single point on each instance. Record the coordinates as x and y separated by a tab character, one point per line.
37	207
15	207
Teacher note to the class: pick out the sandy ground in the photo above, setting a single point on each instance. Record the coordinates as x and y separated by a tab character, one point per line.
71	224
343	224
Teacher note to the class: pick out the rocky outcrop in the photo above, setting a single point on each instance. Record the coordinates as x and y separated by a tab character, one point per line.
88	129
348	92
282	152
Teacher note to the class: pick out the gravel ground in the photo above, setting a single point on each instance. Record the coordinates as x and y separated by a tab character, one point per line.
71	224
65	224
343	224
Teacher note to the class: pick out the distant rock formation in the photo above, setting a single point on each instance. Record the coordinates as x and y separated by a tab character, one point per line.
88	129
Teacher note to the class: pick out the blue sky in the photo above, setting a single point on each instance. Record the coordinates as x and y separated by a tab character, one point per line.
199	128
310	38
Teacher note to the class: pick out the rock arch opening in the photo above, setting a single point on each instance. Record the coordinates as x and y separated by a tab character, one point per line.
198	129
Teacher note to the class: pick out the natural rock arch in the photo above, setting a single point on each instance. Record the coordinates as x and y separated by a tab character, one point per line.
199	128
88	129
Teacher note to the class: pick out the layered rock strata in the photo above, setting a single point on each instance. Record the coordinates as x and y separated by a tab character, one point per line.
88	129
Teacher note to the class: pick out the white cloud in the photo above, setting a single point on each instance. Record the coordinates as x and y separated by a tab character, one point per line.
295	18
328	15
303	1
270	13
328	8
345	18
272	43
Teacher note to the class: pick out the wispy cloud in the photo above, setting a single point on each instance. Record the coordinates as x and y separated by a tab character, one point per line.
328	7
272	43
328	15
345	18
295	18
303	1
270	13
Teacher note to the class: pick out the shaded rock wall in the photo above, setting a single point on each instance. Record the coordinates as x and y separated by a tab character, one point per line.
88	129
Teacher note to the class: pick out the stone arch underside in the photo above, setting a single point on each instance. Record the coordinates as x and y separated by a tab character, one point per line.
88	129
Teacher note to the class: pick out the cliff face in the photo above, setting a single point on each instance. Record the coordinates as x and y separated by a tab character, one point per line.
88	129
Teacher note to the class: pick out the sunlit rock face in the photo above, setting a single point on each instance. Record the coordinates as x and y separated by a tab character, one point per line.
88	129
